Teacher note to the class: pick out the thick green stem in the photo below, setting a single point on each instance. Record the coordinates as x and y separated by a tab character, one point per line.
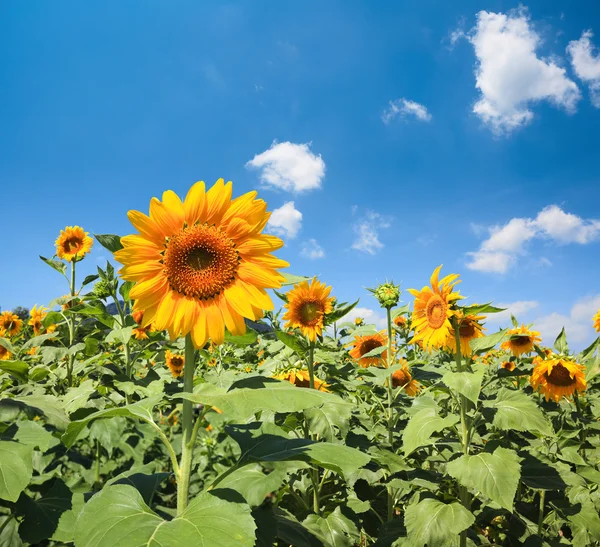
390	400
97	469
314	473
187	422
71	360
541	514
310	365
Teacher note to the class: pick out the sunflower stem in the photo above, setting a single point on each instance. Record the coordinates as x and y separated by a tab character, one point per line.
310	364
390	399
187	422
314	473
541	513
71	360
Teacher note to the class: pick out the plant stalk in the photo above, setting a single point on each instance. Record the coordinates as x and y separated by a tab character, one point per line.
71	360
314	473
390	399
541	514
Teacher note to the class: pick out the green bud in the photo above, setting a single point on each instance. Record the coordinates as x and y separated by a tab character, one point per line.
387	294
102	289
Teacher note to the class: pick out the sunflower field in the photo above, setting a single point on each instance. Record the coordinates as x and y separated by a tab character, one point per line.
193	392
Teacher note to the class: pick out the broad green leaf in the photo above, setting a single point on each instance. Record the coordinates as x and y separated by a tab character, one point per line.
77	397
47	406
269	443
119	516
329	419
244	403
145	484
6	345
335	530
33	434
494	475
15	469
53	318
341	311
18	369
376	352
293	342
560	344
37	341
486	343
41	515
432	523
465	383
109	241
89	279
66	524
57	265
291	279
253	484
381	374
141	410
38	373
586	524
422	425
120	335
242	340
108	432
515	410
476	309
541	473
291	532
10	532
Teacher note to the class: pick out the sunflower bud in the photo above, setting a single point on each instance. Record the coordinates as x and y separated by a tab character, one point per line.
387	294
102	289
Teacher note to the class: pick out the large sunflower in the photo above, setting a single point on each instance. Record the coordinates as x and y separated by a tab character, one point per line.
364	344
306	306
557	377
36	316
201	265
596	320
10	324
433	310
73	243
301	378
403	378
469	329
521	340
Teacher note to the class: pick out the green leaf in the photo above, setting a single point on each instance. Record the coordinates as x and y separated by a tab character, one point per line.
541	474
15	469
465	383
586	524
145	484
6	345
242	340
33	434
41	515
52	318
516	411
477	309
77	397
335	530
560	344
422	425
57	265
48	406
494	475
37	341
291	279
291	532
95	311
253	484
341	311
66	524
376	352
293	342
119	516
486	343
141	410
432	523
120	335
269	443
125	289
329	419
109	241
89	279
18	369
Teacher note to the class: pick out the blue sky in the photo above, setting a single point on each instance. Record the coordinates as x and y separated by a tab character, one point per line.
406	135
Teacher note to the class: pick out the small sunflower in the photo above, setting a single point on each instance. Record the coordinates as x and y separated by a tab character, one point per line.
201	265
400	321
364	344
521	340
212	362
73	243
36	317
556	377
469	329
175	363
306	307
433	310
508	365
596	320
403	378
10	324
359	321
301	378
5	355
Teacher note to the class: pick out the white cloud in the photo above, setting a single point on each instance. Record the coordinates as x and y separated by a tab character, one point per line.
369	316
518	309
506	243
509	74
367	232
405	108
586	64
286	221
311	249
288	166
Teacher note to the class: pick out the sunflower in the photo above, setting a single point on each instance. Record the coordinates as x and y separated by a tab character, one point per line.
306	306
364	344
36	317
508	365
10	324
469	329
556	377
5	355
73	243
212	362
403	378
596	320
433	310
175	363
301	378
201	265
140	333
521	340
400	321
359	321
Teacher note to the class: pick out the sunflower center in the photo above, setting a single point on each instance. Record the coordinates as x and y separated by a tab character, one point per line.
436	311
467	329
72	244
176	362
310	312
370	345
520	341
560	376
201	261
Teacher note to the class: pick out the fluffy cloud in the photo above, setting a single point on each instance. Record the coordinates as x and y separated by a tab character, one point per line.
518	309
286	221
586	64
509	74
311	249
367	232
505	243
288	166
405	108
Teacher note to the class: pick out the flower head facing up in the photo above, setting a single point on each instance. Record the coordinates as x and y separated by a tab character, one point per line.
596	320
203	264
5	355
10	323
175	363
73	243
301	378
508	365
521	341
307	304
365	344
433	310
469	328
403	378
387	294
557	377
